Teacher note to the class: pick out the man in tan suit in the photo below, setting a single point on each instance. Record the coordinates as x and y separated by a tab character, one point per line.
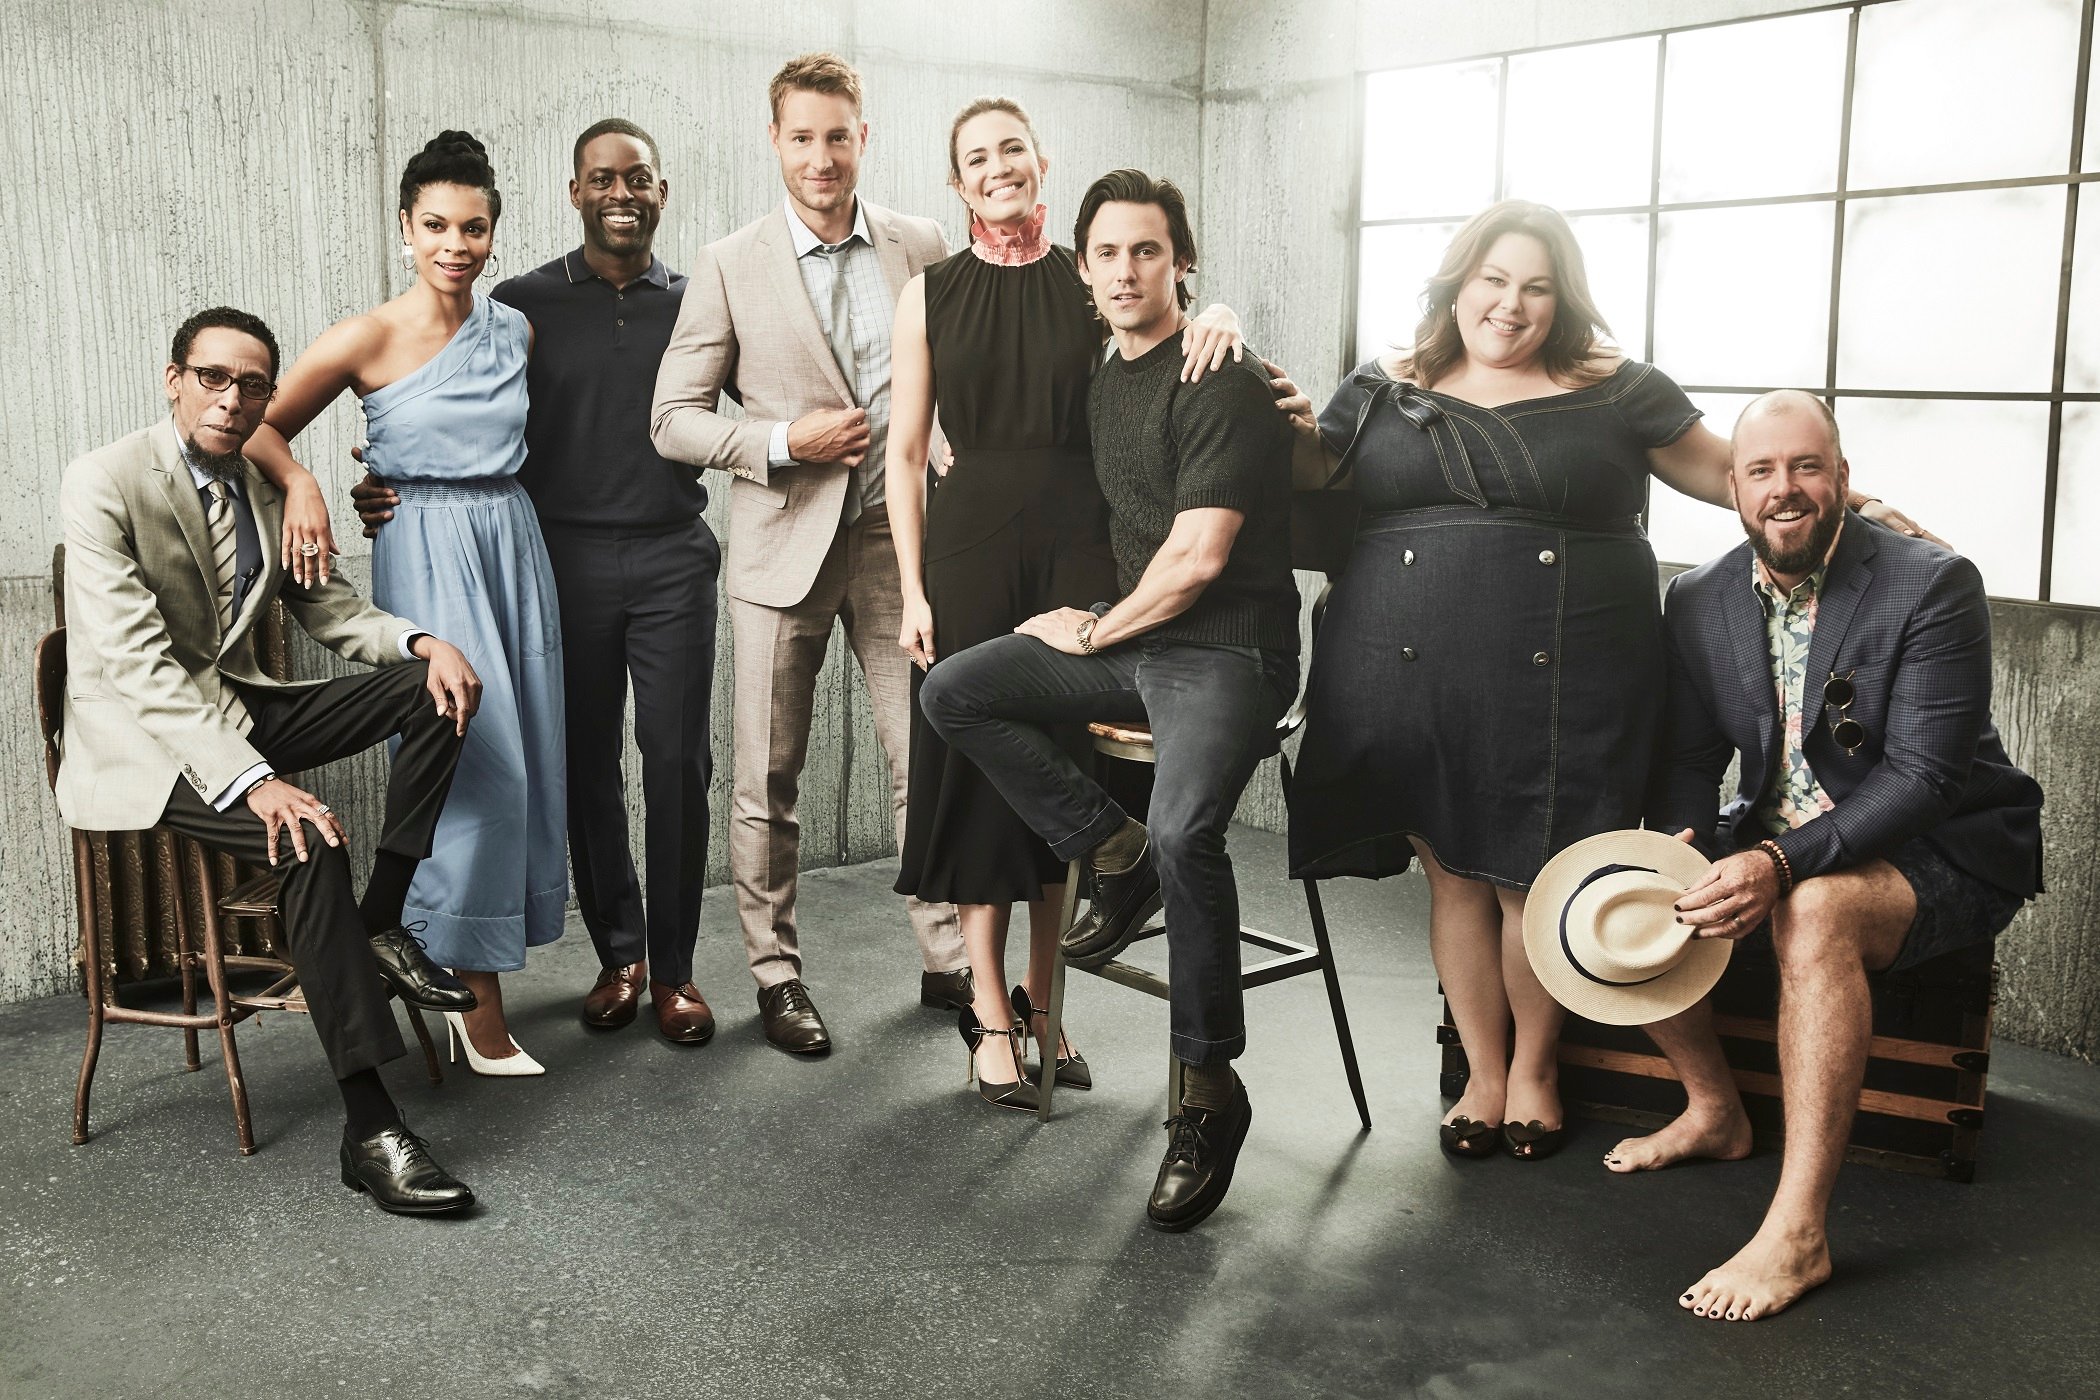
171	560
791	316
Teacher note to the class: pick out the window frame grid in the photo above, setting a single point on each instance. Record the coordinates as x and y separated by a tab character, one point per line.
2072	180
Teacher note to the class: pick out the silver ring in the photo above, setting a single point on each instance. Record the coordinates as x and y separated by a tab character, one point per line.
326	809
309	549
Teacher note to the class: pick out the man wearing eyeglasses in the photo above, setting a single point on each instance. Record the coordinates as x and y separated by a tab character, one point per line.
1879	822
170	721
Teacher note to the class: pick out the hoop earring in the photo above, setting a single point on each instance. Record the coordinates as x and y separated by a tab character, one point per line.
408	258
488	266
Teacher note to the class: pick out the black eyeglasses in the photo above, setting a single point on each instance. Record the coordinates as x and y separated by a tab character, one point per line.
254	388
1838	696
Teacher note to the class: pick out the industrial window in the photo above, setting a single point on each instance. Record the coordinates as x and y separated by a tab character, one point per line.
1879	202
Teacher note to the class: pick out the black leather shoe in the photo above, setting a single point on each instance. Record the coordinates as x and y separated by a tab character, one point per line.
791	1019
413	976
1117	907
394	1165
947	991
1203	1146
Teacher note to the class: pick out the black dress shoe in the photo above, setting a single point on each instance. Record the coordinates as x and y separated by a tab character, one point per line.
413	976
947	991
1203	1146
791	1019
1117	907
394	1165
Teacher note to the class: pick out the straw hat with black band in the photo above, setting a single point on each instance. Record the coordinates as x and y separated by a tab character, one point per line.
1601	929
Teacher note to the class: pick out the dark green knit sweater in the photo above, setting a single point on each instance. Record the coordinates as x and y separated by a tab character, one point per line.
1162	447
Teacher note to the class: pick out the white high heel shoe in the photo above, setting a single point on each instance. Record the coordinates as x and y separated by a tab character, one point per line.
456	1039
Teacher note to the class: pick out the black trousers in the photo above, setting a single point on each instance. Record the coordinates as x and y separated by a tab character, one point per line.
638	605
1213	711
325	937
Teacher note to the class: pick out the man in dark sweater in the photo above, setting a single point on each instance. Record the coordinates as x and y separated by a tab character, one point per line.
1203	645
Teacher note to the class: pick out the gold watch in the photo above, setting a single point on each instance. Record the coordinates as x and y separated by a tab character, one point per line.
1084	634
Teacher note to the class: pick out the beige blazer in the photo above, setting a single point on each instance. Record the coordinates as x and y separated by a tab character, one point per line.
746	327
145	659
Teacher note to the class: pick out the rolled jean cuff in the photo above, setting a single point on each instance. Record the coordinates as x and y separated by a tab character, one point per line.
1191	1051
1105	823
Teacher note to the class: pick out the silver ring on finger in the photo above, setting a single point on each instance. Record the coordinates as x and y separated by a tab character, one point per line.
325	809
309	549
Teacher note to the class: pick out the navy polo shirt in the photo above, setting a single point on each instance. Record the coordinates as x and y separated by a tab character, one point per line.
592	379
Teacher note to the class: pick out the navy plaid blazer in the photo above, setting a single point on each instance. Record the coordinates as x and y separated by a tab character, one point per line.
1909	621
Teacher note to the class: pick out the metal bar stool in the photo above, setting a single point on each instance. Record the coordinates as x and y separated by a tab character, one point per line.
1133	743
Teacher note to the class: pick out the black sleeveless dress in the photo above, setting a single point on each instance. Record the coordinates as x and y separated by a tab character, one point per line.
1017	527
1489	674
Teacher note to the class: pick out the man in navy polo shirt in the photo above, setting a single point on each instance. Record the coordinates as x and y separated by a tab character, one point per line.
635	566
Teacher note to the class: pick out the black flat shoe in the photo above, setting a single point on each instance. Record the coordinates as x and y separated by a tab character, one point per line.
1018	1094
1072	1072
1533	1141
1203	1146
395	1167
1469	1137
1117	907
414	977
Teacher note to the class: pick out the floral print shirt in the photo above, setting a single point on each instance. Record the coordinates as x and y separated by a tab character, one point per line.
1790	625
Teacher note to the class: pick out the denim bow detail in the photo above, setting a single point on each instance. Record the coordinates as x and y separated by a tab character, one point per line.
1415	406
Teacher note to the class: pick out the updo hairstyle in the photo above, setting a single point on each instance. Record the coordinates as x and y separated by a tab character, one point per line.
451	158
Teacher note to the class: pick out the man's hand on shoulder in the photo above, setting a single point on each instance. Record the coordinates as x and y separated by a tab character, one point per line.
282	807
452	684
372	498
830	435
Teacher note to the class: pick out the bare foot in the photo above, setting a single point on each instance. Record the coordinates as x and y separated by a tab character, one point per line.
1775	1268
1721	1135
489	1032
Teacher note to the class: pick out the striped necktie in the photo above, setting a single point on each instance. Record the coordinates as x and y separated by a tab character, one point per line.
225	554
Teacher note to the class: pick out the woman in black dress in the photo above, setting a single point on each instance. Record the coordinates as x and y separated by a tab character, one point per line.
1002	337
1488	676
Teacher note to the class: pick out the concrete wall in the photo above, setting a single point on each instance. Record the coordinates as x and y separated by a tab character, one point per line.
161	158
1279	96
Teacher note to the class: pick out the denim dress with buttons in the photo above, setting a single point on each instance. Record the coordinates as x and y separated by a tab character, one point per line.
1488	675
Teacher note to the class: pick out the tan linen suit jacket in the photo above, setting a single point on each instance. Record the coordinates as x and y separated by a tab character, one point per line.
746	327
145	659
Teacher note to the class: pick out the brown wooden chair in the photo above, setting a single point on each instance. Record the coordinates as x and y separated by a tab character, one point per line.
1133	743
256	900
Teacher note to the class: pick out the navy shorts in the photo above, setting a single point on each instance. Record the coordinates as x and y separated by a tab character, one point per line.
1955	909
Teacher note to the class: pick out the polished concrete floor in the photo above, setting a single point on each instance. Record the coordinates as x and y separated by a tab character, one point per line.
731	1222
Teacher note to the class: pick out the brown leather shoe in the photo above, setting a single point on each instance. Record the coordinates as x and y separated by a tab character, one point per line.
947	991
791	1019
615	996
682	1013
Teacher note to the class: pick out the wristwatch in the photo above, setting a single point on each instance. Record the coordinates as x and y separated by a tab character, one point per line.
1084	634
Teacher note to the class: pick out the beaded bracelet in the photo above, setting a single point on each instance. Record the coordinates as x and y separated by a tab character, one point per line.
1779	863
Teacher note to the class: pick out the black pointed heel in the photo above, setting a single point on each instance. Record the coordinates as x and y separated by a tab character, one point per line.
1072	1072
1469	1137
1533	1141
1018	1095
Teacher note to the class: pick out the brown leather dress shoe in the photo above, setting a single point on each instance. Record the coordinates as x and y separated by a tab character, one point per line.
615	997
791	1019
947	991
682	1013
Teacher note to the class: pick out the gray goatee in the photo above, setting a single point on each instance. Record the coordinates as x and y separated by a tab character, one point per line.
222	466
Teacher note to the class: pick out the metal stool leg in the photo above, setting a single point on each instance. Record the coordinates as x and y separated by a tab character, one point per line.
1334	1001
1054	1012
215	973
430	1054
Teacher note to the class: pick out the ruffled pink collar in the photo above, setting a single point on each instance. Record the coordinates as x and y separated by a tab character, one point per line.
1016	247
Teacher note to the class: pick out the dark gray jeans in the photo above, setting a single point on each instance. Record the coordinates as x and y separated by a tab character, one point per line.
1213	712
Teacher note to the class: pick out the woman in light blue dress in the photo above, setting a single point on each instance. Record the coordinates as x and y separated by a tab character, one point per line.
441	373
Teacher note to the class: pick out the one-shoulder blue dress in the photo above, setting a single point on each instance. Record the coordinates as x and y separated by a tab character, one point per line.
463	559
